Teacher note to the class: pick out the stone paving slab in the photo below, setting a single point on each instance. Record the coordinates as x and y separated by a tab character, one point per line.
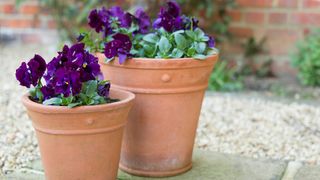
215	166
308	173
206	166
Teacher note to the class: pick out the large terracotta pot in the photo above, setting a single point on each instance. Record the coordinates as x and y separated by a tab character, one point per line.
162	124
82	142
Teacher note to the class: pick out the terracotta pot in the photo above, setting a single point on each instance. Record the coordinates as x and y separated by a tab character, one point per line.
82	142
162	124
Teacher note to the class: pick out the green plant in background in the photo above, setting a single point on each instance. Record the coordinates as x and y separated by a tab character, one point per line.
252	64
224	78
307	60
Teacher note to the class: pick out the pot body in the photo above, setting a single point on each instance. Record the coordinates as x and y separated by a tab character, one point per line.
162	124
82	142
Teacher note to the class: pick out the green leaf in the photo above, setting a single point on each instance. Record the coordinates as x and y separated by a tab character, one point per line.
66	101
149	50
204	39
200	47
177	53
199	34
191	52
84	98
32	92
99	99
164	45
91	102
91	88
199	56
53	101
151	38
39	94
180	41
72	105
191	34
212	51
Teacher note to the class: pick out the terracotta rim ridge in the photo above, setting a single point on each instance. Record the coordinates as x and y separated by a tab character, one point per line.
49	109
78	132
163	91
155	173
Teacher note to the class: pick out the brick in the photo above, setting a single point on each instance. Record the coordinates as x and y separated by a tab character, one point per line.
311	3
242	32
52	24
305	18
281	41
232	48
18	23
278	18
288	3
255	3
7	8
255	18
235	15
30	9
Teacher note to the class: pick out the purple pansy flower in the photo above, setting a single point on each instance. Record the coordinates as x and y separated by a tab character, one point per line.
124	18
31	74
173	8
100	21
66	82
189	22
70	68
47	91
143	21
90	68
23	76
120	46
103	90
65	74
211	42
95	20
37	66
169	18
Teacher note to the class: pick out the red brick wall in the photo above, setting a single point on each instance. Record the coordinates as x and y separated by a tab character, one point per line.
283	22
26	22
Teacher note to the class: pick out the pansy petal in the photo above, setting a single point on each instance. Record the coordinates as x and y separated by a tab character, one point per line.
122	57
23	75
173	8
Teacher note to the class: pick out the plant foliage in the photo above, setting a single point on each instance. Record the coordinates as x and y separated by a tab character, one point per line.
224	78
307	59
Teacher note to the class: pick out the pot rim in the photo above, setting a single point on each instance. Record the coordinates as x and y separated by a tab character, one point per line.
163	59
50	109
152	63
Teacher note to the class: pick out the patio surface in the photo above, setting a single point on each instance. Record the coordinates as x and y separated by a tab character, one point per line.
210	166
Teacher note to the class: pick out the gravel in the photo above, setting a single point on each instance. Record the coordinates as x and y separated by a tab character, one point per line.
18	145
252	127
260	128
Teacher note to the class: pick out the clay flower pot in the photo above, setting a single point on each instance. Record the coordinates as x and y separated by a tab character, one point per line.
162	124
82	142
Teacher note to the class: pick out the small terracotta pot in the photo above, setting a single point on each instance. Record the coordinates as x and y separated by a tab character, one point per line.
162	124
82	142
